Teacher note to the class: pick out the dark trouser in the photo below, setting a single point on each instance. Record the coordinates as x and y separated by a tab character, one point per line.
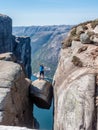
42	74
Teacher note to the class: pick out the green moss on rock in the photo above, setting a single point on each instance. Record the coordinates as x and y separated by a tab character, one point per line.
94	23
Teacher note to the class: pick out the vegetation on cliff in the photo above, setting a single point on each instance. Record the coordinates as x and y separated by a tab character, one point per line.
76	80
83	32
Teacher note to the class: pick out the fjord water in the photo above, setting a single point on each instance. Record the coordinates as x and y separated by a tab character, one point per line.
43	116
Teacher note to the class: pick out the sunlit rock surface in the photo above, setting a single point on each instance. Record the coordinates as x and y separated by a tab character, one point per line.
7	56
75	80
15	107
41	92
14	128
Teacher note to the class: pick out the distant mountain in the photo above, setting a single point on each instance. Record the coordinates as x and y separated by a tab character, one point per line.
46	45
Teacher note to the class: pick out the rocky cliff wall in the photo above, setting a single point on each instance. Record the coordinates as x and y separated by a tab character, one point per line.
22	50
5	34
20	46
75	80
15	107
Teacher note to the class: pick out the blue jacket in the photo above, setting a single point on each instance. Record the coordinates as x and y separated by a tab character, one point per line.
41	68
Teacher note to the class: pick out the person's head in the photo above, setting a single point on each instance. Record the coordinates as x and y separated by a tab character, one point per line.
41	65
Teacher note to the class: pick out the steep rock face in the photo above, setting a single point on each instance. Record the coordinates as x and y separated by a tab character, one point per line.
5	34
45	43
22	50
15	107
20	46
75	84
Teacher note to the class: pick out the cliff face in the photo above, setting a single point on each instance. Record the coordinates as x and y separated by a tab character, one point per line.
46	45
5	34
20	46
75	80
15	107
22	50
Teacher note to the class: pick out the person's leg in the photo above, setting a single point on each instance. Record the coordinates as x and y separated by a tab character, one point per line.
43	74
39	75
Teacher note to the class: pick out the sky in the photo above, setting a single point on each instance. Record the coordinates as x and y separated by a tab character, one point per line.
49	12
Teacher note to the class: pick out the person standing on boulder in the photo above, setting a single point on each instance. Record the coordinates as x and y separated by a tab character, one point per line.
41	71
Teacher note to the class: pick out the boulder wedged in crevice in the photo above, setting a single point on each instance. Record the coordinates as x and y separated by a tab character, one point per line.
41	93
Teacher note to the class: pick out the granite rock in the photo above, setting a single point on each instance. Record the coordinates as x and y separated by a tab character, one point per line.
5	34
19	46
75	86
8	57
14	128
84	38
41	92
22	51
15	106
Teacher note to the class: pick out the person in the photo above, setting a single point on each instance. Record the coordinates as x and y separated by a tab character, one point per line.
41	72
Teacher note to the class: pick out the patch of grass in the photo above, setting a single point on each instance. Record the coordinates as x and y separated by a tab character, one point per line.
81	33
82	24
84	48
90	33
67	43
84	27
76	61
94	24
76	38
73	32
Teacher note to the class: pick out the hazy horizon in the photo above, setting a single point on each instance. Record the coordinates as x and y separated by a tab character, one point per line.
49	12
